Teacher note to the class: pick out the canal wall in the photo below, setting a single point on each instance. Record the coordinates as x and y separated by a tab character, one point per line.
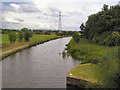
75	82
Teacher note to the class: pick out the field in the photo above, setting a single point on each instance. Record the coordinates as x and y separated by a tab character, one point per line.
35	38
8	48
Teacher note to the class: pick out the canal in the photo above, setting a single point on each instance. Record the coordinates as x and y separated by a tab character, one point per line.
41	66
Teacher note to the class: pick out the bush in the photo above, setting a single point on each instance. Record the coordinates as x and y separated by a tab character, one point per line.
92	85
12	37
76	37
108	68
47	33
27	35
108	39
113	39
20	36
95	60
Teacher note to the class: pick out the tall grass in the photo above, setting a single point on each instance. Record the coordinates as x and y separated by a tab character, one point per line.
85	50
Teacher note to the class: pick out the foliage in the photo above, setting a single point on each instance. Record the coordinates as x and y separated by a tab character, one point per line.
113	39
24	29
109	69
105	7
47	33
76	37
99	26
92	85
27	35
20	36
12	37
106	58
82	27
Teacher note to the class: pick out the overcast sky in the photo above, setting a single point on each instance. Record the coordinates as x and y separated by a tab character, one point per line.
43	14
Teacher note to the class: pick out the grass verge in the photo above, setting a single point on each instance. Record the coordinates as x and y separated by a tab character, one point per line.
8	49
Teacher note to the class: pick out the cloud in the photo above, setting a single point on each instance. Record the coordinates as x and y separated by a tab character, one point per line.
29	8
19	20
11	25
44	14
119	2
15	6
20	7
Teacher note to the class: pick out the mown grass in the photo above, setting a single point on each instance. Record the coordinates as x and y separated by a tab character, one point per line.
85	72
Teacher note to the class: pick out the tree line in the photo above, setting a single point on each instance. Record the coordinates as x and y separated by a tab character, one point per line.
23	34
103	27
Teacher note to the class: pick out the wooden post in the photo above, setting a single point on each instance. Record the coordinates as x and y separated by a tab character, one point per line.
91	58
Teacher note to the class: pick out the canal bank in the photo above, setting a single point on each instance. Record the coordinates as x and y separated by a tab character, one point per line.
83	76
86	74
103	58
14	50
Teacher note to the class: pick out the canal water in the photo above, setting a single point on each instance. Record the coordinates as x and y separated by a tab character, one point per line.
41	66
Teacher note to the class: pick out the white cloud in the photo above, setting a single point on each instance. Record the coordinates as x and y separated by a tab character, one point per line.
15	6
44	13
119	2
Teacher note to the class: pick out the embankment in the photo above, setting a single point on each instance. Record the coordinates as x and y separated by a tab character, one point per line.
83	76
14	50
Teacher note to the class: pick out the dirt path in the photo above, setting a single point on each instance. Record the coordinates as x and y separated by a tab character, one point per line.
12	50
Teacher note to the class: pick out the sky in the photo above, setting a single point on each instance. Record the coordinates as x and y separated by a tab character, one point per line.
43	14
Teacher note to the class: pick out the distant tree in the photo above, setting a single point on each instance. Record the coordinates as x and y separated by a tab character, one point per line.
12	37
48	33
24	29
27	35
20	36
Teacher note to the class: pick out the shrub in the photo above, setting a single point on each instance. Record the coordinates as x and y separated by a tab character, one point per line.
20	36
92	85
12	37
27	35
76	37
113	39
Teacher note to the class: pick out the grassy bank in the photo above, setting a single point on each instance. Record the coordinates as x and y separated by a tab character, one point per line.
104	62
88	77
85	72
85	51
10	48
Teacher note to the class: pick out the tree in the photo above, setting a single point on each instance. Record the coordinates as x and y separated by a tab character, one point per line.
12	37
105	7
27	35
82	27
48	33
24	29
100	24
20	36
